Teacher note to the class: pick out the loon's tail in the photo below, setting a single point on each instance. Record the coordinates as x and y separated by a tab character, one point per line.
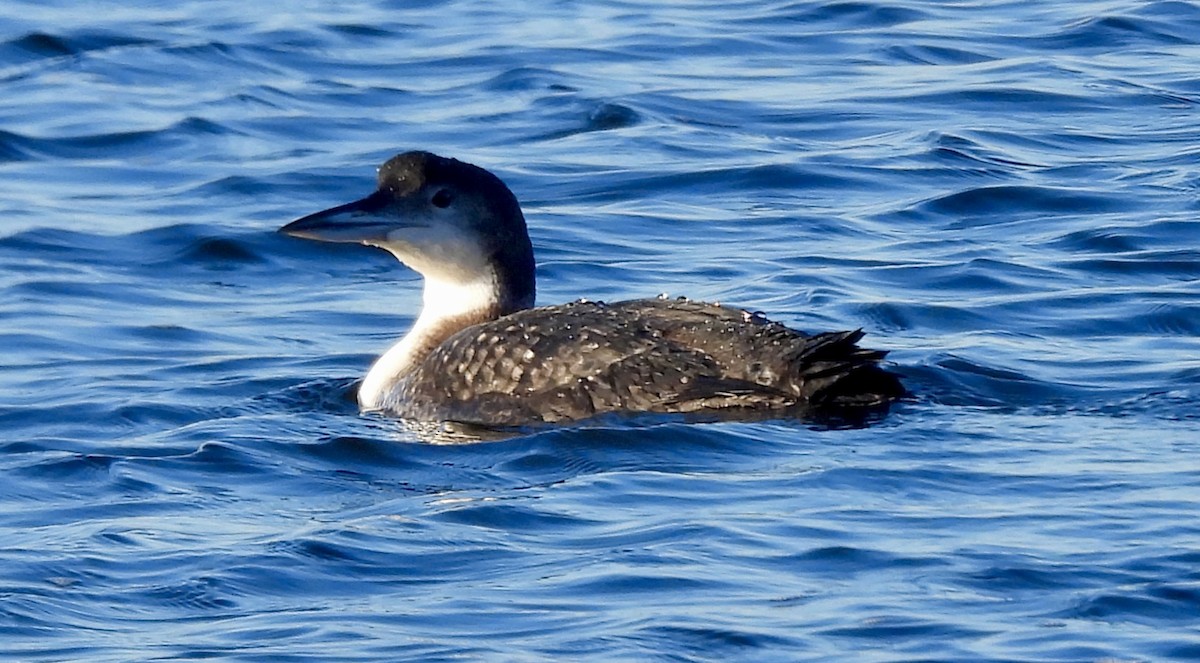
835	372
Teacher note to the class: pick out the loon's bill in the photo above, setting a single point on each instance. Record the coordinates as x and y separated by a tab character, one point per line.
481	353
357	222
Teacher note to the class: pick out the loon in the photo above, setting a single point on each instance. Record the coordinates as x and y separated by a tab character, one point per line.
481	353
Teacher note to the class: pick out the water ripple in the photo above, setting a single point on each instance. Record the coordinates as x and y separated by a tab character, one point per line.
1002	195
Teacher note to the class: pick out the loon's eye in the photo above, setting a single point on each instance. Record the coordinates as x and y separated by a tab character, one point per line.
442	198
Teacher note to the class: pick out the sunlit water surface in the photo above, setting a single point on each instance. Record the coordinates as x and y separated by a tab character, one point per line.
1004	194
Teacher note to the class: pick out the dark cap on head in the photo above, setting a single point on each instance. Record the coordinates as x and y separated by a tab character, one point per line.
409	171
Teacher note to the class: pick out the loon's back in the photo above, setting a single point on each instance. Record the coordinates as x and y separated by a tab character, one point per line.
579	360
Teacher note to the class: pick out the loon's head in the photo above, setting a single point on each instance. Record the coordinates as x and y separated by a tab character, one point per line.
452	222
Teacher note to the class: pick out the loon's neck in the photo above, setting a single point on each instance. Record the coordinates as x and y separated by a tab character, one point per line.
447	307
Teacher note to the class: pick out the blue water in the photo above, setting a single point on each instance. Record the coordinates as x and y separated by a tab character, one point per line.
1005	194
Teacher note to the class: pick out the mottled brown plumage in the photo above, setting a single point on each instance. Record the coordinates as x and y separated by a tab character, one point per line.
578	360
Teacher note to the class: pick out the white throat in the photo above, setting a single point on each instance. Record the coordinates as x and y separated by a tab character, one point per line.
443	303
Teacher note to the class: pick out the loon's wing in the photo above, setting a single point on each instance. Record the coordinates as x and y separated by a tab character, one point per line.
578	360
